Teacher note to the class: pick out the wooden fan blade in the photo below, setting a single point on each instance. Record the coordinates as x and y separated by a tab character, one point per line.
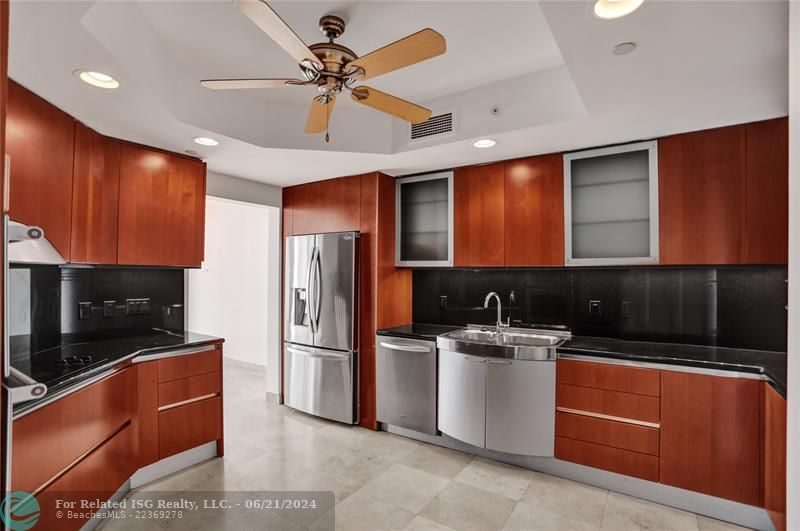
227	84
319	114
273	25
390	105
413	49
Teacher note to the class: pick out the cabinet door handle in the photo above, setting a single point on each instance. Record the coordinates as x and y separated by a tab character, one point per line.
475	360
501	362
406	348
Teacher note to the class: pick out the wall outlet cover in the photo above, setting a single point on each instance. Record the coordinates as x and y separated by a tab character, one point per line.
84	311
108	309
595	309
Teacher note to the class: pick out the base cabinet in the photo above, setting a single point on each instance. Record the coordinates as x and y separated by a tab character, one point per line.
775	457
520	406
711	435
499	404
462	397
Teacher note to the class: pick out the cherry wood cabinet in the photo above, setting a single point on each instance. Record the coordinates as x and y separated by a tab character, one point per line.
635	464
723	195
40	140
775	456
766	230
332	205
97	476
78	422
145	420
95	198
711	435
607	416
702	196
183	427
478	216
534	211
161	208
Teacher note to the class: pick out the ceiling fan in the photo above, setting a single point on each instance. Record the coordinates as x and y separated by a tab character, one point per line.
332	67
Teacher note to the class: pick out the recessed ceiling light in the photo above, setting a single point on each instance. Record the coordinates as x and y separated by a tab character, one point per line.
484	143
97	79
624	48
205	141
615	8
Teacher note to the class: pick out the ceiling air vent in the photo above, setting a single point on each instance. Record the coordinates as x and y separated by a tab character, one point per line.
433	127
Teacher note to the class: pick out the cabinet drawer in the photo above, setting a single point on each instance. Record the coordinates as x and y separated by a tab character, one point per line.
185	427
623	405
608	433
177	391
188	365
609	377
98	476
48	440
625	462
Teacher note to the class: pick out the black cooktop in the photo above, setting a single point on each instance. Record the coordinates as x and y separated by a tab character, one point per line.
75	357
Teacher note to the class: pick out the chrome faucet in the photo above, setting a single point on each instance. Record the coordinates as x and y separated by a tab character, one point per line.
500	323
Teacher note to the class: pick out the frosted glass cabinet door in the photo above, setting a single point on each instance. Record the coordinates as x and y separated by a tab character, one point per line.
425	220
611	205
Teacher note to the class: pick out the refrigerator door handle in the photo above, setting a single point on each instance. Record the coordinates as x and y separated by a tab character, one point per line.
328	356
318	288
310	294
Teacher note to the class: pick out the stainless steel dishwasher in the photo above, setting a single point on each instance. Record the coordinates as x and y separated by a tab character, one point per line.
406	383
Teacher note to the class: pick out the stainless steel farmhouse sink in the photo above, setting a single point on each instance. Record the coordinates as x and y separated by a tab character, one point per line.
510	343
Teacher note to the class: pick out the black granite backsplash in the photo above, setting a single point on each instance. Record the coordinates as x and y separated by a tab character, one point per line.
739	307
44	302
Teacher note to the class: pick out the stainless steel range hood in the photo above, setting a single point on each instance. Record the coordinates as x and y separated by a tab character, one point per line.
28	245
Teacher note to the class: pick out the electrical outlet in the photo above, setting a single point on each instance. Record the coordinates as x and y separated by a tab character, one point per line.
443	302
137	306
84	310
595	309
108	309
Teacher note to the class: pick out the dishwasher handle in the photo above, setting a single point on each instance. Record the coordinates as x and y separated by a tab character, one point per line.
406	348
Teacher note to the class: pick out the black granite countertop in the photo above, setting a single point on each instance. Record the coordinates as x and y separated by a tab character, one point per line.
418	331
105	353
770	364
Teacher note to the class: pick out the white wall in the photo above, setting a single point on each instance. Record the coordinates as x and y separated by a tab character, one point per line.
793	442
229	187
236	293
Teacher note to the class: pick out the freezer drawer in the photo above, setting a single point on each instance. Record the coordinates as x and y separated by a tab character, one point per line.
320	382
406	386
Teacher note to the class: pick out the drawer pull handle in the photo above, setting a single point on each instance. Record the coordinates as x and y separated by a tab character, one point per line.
609	417
187	402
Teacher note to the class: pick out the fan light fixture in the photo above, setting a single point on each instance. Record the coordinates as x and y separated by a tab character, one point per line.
608	9
205	141
97	79
484	143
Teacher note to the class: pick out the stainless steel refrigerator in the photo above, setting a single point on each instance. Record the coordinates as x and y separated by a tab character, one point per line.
320	351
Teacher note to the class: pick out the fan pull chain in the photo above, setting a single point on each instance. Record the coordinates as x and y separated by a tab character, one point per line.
328	122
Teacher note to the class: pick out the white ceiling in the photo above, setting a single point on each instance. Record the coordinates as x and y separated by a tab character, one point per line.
548	66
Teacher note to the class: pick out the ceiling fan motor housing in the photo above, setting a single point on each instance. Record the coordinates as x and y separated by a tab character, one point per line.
331	26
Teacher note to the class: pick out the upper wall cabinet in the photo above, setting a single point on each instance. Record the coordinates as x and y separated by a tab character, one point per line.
534	211
325	206
95	197
425	220
702	196
724	195
161	208
766	229
479	220
611	205
40	143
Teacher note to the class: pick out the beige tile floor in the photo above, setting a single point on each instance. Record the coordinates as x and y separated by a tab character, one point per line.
383	481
